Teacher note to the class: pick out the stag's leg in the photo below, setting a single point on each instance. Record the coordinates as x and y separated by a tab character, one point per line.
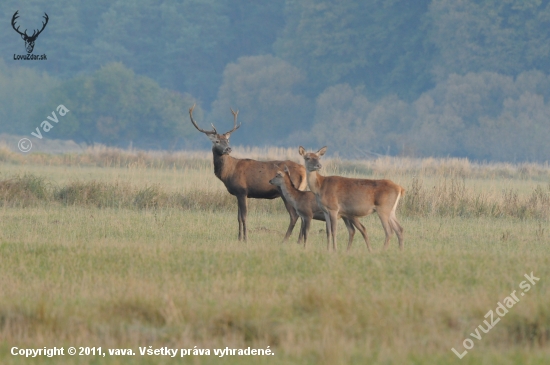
239	218
333	225
241	200
293	218
328	229
351	231
363	230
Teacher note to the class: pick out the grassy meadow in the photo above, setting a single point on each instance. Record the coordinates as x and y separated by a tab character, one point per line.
126	249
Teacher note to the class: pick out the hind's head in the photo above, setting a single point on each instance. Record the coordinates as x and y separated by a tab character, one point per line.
311	159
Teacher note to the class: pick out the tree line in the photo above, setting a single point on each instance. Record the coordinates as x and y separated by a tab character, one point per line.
464	78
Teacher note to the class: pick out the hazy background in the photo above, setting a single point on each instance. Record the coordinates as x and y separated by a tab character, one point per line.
419	78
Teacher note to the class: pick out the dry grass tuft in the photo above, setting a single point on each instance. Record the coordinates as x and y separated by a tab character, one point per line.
102	156
451	198
24	190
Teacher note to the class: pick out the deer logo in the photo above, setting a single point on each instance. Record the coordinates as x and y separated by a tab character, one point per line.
29	40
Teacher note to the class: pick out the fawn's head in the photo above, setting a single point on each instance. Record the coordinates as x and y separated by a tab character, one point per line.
278	179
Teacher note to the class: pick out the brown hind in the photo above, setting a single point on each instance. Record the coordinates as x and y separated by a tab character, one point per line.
348	197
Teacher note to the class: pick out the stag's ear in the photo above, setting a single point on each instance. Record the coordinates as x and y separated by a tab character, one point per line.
302	150
322	151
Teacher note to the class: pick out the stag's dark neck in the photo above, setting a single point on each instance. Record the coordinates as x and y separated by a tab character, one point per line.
223	164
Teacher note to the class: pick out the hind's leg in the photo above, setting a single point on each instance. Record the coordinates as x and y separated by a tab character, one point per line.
351	231
385	219
333	225
363	231
398	230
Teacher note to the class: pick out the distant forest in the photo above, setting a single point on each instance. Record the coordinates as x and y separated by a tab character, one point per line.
464	78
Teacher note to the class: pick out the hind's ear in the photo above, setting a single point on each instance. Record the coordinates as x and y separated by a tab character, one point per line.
322	151
302	150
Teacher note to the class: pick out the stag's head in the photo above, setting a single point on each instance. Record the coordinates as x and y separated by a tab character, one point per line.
29	39
311	159
220	142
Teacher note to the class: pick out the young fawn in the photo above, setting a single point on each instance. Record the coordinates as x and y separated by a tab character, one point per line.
305	204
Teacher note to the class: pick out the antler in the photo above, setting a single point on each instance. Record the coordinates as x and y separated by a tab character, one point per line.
34	34
15	16
235	126
43	26
213	131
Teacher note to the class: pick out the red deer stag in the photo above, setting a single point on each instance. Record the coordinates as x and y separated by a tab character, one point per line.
247	178
305	204
353	198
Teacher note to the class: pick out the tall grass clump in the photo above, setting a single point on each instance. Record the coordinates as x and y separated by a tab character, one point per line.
24	190
125	196
95	193
450	197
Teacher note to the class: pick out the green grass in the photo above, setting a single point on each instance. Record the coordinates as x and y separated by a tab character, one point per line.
83	274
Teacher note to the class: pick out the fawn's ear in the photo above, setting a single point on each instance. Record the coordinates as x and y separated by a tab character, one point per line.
322	151
287	170
302	150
